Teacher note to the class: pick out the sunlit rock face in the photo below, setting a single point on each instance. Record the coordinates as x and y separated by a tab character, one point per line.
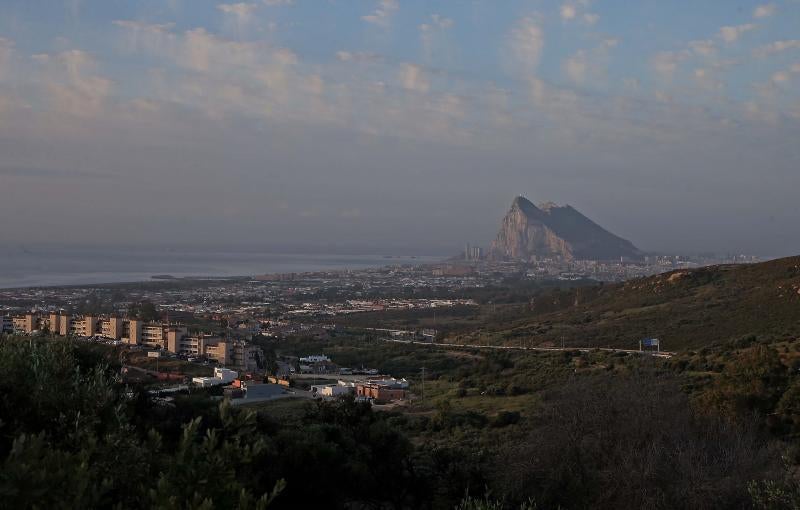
529	232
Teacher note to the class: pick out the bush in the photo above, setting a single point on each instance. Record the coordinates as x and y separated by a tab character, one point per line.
505	418
608	441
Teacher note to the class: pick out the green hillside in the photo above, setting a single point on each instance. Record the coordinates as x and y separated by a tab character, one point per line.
686	309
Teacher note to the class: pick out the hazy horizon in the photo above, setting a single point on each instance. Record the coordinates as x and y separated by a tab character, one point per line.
398	125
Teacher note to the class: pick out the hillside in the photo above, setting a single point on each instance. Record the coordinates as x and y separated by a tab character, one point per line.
552	231
686	309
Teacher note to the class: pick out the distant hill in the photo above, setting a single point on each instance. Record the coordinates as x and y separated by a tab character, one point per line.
686	309
552	231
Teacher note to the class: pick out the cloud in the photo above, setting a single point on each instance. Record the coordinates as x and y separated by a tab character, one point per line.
705	48
433	32
441	21
705	79
238	16
223	77
666	62
776	47
731	34
275	3
593	62
413	77
568	12
382	15
764	11
591	18
784	76
241	11
780	77
358	56
72	84
526	41
140	36
253	79
575	66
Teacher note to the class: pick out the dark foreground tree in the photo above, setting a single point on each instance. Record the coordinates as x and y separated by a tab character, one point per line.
632	442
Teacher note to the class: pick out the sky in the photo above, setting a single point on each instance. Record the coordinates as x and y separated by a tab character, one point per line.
403	125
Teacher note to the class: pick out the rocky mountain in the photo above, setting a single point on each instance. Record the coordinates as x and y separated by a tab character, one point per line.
552	231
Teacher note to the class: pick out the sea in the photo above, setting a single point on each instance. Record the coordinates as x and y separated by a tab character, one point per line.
43	267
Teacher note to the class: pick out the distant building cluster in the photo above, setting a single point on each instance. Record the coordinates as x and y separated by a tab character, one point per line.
452	270
473	252
386	389
174	338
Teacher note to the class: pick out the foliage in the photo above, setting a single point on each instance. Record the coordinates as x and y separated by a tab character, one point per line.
604	442
689	308
496	430
144	310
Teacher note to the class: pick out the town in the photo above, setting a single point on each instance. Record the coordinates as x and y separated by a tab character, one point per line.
236	362
221	324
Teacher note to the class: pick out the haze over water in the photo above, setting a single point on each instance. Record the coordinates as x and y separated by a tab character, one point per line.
37	267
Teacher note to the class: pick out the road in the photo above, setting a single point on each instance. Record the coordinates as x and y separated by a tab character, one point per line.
338	377
660	354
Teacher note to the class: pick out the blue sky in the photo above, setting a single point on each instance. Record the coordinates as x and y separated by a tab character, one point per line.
294	116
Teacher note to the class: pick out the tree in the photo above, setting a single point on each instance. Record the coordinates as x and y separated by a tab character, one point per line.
632	442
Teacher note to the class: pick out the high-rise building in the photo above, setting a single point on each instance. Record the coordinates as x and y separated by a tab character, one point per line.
472	253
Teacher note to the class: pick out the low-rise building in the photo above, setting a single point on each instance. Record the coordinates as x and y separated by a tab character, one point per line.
333	390
378	392
383	389
227	375
314	358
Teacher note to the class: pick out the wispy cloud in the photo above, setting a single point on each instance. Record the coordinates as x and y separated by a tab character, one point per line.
72	82
382	15
731	34
666	62
414	78
433	32
576	10
526	41
776	47
240	15
764	11
591	63
705	48
241	11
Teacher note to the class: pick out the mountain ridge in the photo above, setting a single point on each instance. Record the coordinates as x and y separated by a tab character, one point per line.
685	308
